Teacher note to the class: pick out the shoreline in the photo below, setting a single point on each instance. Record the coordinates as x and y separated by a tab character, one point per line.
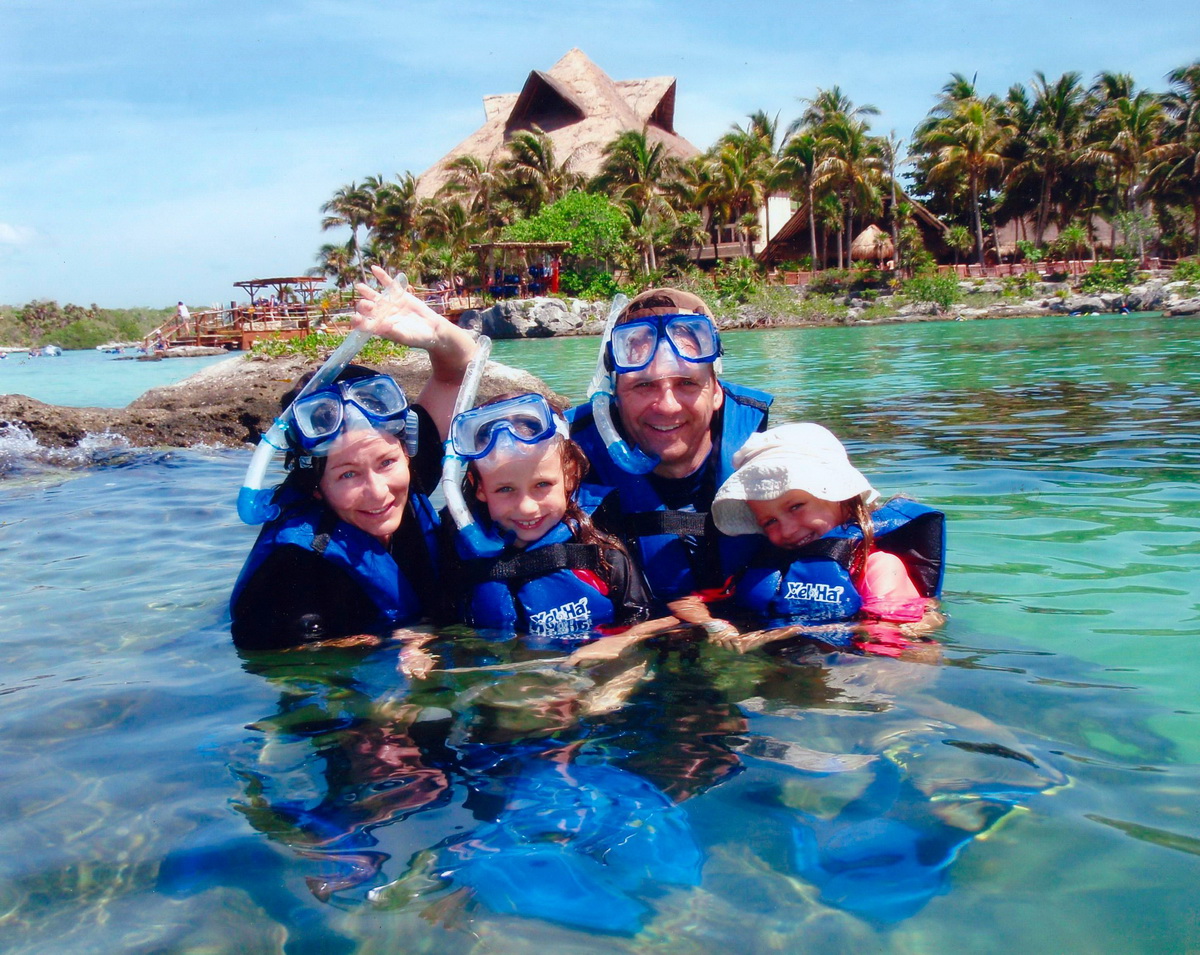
232	403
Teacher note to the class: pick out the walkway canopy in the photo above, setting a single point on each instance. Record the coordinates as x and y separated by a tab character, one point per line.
305	284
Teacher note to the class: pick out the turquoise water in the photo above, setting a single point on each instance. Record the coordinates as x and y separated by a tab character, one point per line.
87	378
1035	791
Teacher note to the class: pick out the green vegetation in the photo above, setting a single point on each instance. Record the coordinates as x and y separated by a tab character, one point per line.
318	346
1115	276
1053	152
73	326
940	290
1186	270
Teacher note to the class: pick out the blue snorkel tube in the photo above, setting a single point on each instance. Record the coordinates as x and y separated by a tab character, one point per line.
454	466
254	504
628	457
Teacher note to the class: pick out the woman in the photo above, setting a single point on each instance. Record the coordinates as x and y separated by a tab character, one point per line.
351	551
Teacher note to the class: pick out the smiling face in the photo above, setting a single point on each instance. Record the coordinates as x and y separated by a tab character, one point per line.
671	415
525	491
366	481
795	518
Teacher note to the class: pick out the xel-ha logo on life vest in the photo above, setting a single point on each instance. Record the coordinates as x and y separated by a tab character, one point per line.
814	593
569	618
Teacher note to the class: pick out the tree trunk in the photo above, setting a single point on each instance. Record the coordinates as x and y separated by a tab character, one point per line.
812	225
978	218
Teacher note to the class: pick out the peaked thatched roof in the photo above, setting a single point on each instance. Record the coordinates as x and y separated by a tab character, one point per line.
580	108
872	244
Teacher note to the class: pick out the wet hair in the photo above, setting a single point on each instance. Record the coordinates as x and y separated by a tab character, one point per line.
304	471
857	511
575	466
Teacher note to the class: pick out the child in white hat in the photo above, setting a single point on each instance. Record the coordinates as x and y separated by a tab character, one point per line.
829	554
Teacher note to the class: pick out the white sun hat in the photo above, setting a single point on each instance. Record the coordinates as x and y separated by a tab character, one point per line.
791	457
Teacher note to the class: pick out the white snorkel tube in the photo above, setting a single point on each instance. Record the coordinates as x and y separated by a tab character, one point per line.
254	504
454	466
628	457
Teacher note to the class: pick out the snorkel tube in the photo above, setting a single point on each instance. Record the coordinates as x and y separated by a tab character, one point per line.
254	504
628	457
454	466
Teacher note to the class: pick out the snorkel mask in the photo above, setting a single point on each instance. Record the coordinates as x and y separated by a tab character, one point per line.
254	504
657	346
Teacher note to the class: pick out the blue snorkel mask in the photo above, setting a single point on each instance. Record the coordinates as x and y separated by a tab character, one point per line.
675	342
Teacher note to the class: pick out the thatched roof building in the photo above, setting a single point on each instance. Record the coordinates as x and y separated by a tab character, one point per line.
580	108
792	241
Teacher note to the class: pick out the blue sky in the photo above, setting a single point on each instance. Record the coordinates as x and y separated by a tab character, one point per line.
152	150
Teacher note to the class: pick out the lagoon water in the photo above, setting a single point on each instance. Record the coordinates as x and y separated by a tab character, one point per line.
1038	790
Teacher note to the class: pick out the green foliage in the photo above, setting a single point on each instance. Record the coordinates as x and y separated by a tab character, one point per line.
737	280
940	290
1030	251
1109	276
1186	270
593	283
319	345
594	226
44	321
1022	284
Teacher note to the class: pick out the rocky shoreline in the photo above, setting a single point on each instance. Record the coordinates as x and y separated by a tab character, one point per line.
229	404
232	403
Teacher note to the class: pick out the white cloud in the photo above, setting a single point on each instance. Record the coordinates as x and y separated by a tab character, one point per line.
15	234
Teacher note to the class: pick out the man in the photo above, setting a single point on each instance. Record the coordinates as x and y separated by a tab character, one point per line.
673	439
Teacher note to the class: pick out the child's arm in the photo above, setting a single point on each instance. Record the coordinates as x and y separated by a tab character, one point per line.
888	593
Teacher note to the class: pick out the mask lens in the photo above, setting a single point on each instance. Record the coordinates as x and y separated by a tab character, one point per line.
693	336
379	397
634	344
319	415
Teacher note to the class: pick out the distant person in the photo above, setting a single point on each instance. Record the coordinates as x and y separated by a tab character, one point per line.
671	442
352	552
549	572
183	318
831	553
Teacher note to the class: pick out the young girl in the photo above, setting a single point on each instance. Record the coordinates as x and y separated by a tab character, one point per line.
830	555
549	572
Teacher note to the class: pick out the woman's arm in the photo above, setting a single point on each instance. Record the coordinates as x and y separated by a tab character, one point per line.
409	321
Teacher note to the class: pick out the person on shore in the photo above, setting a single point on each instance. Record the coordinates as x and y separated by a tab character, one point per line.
831	554
352	552
549	572
183	318
677	428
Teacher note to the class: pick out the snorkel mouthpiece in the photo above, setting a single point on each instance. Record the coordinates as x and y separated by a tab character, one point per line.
254	504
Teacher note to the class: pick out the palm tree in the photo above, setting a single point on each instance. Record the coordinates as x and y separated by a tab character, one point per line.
968	145
336	263
798	169
851	166
1177	158
635	174
481	183
350	206
1055	141
535	177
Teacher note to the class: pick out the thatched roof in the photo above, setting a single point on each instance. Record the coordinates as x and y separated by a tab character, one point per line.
580	108
873	244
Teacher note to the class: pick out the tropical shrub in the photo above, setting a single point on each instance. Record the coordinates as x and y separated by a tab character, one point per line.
1186	270
940	290
1114	276
589	283
317	346
594	226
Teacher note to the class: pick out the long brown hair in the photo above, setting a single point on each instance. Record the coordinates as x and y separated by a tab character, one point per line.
857	511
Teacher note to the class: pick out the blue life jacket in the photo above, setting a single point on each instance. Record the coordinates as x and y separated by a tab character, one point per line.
671	567
311	525
536	590
813	584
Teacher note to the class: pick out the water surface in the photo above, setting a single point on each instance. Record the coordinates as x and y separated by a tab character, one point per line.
1036	791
